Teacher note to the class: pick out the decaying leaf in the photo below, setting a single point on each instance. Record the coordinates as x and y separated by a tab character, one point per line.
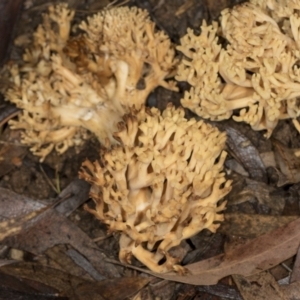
20	212
13	287
75	194
291	291
57	257
11	155
269	198
64	283
288	163
259	286
11	223
82	262
252	225
295	276
112	289
221	290
248	259
241	148
30	222
76	287
4	262
54	229
11	151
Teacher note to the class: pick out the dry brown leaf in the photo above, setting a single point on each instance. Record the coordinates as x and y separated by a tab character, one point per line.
268	158
223	291
295	276
260	286
11	156
252	225
57	257
12	288
54	229
84	264
112	289
56	279
292	291
12	226
20	212
4	262
248	259
29	227
12	151
234	166
75	194
10	294
269	198
288	163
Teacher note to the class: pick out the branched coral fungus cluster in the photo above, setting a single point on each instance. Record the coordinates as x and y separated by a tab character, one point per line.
161	185
256	73
68	86
160	177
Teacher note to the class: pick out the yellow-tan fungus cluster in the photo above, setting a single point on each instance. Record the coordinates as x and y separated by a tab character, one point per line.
139	56
256	73
70	86
162	184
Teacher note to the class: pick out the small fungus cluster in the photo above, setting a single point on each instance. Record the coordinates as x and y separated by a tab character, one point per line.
256	73
162	184
68	86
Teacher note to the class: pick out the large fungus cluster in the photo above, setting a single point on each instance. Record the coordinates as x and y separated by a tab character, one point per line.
70	86
257	72
162	184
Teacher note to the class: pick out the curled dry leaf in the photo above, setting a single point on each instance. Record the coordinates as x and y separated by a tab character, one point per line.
251	258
